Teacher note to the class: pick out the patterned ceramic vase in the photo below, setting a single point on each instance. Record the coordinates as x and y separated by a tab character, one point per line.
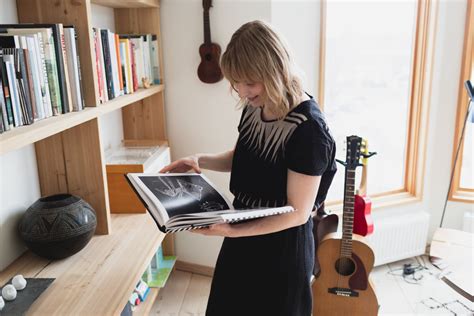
58	226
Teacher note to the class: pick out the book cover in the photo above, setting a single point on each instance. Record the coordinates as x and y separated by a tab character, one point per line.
184	201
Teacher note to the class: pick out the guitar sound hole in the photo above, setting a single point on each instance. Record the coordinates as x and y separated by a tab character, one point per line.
208	57
345	266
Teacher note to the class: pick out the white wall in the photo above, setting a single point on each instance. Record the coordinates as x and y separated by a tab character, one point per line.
201	117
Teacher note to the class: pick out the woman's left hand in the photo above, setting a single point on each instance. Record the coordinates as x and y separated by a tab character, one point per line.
224	230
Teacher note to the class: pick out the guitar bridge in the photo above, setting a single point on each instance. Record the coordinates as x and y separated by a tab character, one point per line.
343	292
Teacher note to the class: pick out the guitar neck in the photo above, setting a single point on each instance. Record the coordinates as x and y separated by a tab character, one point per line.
348	213
207	28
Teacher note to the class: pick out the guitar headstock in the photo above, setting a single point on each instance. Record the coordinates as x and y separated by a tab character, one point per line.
353	152
206	4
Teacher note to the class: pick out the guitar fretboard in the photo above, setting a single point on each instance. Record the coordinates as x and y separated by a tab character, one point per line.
207	28
348	215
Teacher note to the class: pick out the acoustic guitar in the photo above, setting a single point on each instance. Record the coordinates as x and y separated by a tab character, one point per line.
363	222
323	224
209	70
343	287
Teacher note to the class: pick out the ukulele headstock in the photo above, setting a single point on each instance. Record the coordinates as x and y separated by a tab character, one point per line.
206	4
366	154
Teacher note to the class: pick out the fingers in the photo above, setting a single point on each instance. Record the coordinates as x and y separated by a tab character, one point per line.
168	168
182	165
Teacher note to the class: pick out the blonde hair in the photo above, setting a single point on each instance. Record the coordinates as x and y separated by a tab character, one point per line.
256	53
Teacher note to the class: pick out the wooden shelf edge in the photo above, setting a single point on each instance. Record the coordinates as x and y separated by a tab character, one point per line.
127	4
145	307
26	135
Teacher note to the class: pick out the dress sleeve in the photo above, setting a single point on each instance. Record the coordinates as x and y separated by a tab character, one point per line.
309	149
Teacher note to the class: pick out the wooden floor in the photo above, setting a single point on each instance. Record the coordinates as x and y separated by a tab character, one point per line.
420	294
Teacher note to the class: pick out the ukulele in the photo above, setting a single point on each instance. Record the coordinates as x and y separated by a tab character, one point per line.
343	287
363	222
209	70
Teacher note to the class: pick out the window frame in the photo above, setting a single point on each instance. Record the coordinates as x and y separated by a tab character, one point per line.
458	193
420	92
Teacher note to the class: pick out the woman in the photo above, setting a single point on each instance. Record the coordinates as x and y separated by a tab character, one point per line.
284	156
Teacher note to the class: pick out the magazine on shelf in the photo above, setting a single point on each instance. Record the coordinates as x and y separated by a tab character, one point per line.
184	201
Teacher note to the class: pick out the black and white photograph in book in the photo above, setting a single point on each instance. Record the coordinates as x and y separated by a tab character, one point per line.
186	193
183	201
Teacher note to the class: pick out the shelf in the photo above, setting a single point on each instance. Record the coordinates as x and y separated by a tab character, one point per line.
99	279
124	4
145	307
25	135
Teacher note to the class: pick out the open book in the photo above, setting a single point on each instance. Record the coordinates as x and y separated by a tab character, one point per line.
183	201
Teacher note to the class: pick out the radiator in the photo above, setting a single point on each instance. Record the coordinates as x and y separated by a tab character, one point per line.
399	236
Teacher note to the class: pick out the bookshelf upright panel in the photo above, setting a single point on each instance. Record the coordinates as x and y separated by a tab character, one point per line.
71	161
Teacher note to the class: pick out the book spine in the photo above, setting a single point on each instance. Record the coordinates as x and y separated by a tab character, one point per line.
107	63
119	63
123	67
155	59
36	78
59	62
22	86
82	104
53	72
44	84
4	115
28	67
6	91
113	63
72	67
134	66
97	48
17	121
67	84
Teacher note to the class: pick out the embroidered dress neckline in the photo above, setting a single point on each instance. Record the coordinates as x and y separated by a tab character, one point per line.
262	120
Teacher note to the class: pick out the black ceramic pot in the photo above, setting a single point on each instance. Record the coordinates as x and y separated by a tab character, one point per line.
58	226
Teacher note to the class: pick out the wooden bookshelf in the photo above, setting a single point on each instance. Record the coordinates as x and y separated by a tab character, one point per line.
99	279
68	152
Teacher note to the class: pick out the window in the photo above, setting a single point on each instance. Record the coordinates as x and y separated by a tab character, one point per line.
463	182
371	81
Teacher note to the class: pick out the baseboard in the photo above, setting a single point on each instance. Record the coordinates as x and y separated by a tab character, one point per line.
194	268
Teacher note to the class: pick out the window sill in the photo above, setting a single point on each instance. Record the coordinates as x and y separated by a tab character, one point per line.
462	196
378	202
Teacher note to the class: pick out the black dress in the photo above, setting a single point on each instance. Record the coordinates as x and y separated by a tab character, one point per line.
270	274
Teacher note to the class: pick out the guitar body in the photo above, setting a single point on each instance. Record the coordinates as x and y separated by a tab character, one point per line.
209	70
363	222
323	224
356	294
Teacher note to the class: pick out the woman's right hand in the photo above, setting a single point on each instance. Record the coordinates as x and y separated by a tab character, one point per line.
183	165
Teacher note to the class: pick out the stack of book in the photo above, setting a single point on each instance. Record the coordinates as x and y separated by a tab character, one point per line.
39	73
159	269
125	63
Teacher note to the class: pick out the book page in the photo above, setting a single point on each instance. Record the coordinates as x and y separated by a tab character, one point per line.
181	193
